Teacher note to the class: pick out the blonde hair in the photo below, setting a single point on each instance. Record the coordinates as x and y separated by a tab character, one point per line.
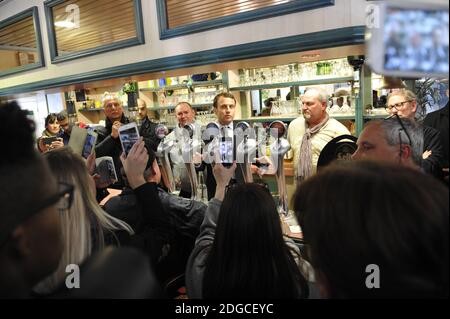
85	223
407	94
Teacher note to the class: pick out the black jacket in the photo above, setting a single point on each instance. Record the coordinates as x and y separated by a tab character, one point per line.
166	225
147	131
109	146
439	121
432	142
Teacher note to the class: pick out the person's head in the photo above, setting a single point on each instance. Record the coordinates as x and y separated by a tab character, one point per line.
224	107
366	214
184	113
341	94
314	107
396	140
63	121
403	103
30	236
85	223
142	109
249	257
112	106
269	102
51	124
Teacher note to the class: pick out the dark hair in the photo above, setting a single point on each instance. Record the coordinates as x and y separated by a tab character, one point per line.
268	102
61	116
364	213
50	119
17	133
249	257
23	174
225	95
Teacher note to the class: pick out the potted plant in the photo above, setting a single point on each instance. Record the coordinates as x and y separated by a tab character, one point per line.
131	90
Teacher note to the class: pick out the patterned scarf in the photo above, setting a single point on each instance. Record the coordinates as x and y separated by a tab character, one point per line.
305	157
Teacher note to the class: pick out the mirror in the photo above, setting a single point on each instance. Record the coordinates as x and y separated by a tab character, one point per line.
20	43
80	28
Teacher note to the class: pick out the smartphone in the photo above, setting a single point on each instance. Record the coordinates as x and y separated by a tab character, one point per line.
89	144
49	140
128	134
104	166
409	39
226	151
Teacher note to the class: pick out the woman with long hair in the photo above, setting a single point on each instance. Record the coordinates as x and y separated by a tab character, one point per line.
86	227
241	252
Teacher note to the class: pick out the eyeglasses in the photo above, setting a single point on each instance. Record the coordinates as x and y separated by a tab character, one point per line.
398	106
63	198
403	128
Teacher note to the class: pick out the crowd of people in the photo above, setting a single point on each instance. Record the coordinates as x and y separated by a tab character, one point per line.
386	208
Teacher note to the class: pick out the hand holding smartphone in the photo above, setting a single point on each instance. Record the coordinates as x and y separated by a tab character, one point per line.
128	135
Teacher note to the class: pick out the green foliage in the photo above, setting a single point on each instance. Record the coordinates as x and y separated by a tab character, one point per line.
130	87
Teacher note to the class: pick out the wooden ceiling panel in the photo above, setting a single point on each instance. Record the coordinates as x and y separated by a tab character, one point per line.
184	12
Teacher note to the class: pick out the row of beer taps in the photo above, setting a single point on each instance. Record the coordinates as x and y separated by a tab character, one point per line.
246	145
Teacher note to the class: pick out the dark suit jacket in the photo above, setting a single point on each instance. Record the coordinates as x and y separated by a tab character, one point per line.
439	120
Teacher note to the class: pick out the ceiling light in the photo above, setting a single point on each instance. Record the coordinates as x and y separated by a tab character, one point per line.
65	24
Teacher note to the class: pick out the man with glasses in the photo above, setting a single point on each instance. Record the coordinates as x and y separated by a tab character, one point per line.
395	140
404	104
108	142
30	199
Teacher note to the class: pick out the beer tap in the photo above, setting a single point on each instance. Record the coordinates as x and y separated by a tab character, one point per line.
278	149
162	153
246	150
189	145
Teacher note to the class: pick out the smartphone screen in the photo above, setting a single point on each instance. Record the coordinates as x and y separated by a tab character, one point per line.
49	140
128	136
226	151
89	144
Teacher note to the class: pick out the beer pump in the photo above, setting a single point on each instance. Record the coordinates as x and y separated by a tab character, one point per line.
245	150
278	149
162	153
189	146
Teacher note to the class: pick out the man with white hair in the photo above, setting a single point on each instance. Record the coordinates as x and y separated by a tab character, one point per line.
108	142
308	134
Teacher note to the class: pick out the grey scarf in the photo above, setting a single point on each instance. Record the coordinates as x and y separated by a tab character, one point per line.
305	157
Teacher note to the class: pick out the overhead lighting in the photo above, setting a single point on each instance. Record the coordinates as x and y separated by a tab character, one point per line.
65	24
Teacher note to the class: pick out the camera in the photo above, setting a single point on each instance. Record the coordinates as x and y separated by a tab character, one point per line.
356	61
